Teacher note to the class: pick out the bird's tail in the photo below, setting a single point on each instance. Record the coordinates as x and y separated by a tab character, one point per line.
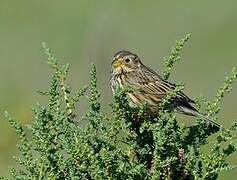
209	120
193	112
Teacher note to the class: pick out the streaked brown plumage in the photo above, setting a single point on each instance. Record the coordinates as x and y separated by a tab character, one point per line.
127	69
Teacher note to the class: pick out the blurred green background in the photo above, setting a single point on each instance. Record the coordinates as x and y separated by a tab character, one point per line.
85	31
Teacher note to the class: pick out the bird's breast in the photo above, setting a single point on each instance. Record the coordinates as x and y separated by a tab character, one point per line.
117	81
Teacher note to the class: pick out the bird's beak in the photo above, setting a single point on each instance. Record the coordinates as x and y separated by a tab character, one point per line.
117	63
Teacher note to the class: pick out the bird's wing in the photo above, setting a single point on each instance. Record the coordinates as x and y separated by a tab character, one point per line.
151	83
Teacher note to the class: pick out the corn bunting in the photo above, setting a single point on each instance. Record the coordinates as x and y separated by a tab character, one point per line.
127	69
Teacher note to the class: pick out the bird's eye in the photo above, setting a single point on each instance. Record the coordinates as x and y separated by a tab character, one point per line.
127	60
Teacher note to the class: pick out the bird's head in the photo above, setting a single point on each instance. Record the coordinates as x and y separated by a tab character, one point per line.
124	62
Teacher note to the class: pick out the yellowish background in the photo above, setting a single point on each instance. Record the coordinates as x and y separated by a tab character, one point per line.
85	31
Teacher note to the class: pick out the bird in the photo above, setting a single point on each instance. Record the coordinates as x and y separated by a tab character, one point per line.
127	69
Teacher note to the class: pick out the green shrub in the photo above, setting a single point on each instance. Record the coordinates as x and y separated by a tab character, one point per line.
127	144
